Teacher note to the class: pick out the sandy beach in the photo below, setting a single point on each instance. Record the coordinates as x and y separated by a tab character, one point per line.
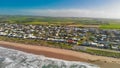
103	62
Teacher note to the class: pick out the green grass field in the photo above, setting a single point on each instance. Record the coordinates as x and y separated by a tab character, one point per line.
111	26
69	21
51	23
41	23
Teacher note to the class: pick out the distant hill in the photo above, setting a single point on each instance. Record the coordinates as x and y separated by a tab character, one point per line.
55	20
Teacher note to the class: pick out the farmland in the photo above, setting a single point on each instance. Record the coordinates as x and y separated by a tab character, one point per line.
50	20
111	26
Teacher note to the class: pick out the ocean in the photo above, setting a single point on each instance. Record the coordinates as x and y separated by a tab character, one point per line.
10	58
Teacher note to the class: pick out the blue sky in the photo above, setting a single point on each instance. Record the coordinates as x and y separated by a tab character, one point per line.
68	8
51	4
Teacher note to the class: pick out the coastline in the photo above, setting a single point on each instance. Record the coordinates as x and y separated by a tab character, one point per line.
63	54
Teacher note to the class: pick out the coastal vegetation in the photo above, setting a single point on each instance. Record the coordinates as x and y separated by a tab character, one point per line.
103	53
36	42
60	45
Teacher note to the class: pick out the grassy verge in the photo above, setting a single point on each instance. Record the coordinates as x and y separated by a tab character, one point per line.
36	42
102	53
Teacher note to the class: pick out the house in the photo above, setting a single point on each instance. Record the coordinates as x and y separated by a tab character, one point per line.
3	33
70	41
93	44
115	47
86	43
31	36
100	45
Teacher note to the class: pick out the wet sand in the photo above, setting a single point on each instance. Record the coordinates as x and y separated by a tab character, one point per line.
103	62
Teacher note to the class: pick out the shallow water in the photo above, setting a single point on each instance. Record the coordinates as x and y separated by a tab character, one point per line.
10	58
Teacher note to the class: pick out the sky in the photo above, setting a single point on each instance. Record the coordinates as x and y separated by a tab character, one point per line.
62	8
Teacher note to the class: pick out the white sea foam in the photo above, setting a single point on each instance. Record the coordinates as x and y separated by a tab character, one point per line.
10	58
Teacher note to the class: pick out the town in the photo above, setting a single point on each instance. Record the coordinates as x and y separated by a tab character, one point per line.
81	36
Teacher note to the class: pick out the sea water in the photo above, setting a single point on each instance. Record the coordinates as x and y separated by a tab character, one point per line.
10	58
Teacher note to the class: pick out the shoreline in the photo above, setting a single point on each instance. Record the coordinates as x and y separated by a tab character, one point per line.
62	54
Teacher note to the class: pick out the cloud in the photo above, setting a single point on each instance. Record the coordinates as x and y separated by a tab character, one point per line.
97	13
110	10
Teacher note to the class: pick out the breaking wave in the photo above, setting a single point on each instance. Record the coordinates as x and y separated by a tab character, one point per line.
10	58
